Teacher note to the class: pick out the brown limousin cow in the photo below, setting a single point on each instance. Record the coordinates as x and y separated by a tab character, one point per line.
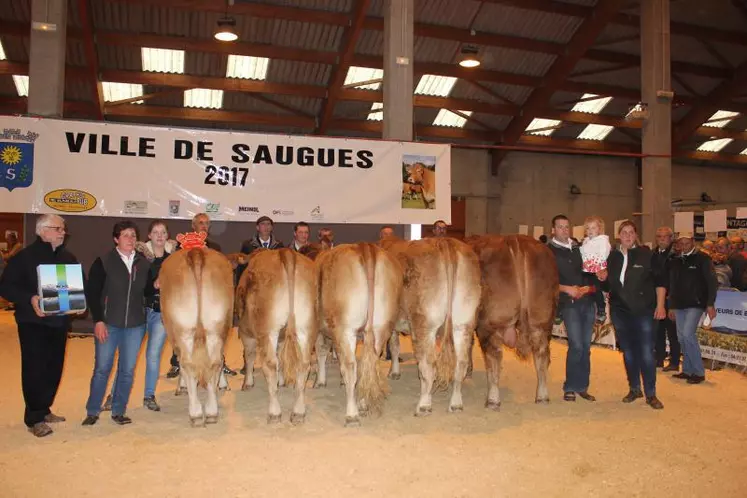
359	291
420	176
196	306
441	292
519	297
276	303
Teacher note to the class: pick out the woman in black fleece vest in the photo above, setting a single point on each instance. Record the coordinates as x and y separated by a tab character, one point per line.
637	293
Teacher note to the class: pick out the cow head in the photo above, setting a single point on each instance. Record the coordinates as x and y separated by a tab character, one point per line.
192	240
415	173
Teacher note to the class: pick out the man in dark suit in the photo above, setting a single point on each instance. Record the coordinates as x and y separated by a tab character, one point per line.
665	329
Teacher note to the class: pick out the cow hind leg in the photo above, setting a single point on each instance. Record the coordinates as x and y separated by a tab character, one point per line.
322	351
462	351
425	351
181	384
250	353
270	366
493	350
302	369
541	352
394	349
349	370
470	349
211	403
195	407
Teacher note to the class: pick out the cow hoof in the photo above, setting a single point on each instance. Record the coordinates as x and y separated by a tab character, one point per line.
542	401
493	405
298	418
456	409
197	422
423	411
211	419
352	422
274	419
319	385
180	391
395	376
247	387
363	412
224	389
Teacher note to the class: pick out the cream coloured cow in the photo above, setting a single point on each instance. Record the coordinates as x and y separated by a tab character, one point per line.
441	294
276	305
359	291
197	306
424	179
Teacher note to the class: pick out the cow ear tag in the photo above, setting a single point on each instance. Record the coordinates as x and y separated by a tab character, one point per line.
192	240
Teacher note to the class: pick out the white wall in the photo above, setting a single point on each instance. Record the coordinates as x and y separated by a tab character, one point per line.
531	188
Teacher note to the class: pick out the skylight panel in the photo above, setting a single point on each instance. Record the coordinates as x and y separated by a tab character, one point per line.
357	74
114	92
448	118
203	98
247	67
591	105
595	132
715	145
22	85
377	112
2	53
541	126
439	86
744	152
720	119
161	60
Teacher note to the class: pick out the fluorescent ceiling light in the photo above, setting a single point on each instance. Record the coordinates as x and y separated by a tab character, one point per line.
377	112
544	127
447	118
22	85
161	60
357	74
114	92
247	67
595	132
720	119
203	98
439	86
715	145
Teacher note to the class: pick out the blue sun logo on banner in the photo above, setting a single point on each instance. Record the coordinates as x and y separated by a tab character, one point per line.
16	165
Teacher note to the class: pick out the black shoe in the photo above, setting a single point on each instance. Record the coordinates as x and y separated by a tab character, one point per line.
672	368
228	371
654	403
569	396
107	404
174	372
587	396
695	379
40	429
633	395
90	420
150	403
121	419
682	375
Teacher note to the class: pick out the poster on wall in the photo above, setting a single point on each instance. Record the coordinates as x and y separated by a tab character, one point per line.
111	169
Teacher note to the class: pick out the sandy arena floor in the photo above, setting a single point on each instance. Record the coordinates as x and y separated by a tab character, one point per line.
696	446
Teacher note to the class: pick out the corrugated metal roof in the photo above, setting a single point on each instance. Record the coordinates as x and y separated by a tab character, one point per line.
204	64
430	50
370	43
119	57
302	73
516	94
716	14
506	20
494	121
16	10
516	61
326	5
311	36
75	55
78	90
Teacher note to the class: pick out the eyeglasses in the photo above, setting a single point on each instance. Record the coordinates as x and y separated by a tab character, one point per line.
56	229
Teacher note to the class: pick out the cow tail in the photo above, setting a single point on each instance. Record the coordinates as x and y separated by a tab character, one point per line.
289	352
523	327
200	357
446	359
371	384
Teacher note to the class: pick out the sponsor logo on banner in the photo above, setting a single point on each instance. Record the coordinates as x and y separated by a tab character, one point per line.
16	159
212	207
316	214
248	210
69	200
135	207
174	208
282	212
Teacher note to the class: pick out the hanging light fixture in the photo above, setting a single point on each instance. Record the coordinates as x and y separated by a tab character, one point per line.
226	31
468	57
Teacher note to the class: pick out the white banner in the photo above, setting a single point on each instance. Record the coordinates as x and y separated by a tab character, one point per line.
718	354
731	311
107	169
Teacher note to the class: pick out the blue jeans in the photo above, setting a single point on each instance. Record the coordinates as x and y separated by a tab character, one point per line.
687	326
635	333
128	342
153	349
579	325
